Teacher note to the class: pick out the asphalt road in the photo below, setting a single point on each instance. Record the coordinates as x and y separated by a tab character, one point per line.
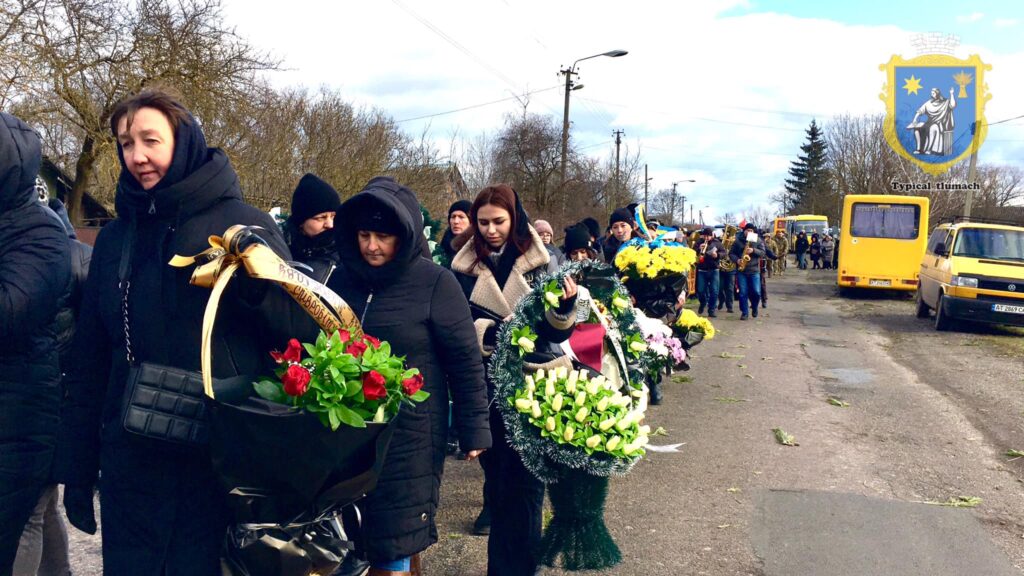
929	417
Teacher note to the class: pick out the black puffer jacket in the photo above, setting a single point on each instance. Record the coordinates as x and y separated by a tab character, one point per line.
418	308
162	509
34	273
81	255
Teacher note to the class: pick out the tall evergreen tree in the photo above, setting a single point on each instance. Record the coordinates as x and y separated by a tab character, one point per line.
807	188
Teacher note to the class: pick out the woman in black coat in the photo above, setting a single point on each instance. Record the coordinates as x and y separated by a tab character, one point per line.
163	512
35	268
802	245
417	306
500	263
815	252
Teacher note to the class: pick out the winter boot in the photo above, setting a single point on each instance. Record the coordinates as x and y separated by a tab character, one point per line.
482	526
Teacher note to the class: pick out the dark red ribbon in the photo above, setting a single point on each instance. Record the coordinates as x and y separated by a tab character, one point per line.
587	342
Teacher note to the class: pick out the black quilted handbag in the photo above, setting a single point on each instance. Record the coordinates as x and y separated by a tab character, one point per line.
166	403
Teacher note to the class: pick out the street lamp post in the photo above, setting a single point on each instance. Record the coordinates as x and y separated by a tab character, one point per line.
569	87
682	215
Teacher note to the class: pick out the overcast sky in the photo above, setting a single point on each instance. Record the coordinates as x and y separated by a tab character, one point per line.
716	91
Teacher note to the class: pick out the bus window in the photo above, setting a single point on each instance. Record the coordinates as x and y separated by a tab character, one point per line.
899	222
808	227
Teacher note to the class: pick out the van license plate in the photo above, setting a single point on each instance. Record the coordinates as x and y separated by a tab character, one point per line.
879	282
1008	308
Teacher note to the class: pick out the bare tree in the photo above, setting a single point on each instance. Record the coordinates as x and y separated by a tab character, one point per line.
527	157
665	205
862	162
477	158
76	59
760	216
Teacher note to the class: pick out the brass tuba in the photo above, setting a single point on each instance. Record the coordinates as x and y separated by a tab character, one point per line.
725	264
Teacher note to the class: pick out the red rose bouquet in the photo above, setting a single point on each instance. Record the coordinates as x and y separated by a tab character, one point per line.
343	380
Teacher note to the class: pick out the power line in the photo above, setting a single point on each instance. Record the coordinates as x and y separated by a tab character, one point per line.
701	118
471	107
719	152
1007	120
971	131
596	112
456	44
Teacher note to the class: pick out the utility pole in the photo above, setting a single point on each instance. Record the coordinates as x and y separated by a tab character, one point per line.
568	72
972	170
569	87
646	180
691	213
618	141
672	212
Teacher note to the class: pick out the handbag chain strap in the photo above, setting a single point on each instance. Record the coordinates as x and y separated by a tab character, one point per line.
124	283
127	331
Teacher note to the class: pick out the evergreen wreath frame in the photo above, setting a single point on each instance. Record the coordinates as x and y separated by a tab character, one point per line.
543	457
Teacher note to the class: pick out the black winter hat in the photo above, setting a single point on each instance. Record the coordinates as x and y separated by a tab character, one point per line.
311	197
750	226
576	237
621	215
463	206
592	226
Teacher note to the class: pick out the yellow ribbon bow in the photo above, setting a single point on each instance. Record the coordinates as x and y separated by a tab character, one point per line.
216	265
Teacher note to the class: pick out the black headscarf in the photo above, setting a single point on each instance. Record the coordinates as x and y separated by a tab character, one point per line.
190	154
381	194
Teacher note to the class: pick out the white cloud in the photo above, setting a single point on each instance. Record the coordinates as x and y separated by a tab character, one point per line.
972	17
1005	22
723	99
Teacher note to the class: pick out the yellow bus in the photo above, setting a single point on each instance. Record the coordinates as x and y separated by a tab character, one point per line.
806	223
780	224
881	241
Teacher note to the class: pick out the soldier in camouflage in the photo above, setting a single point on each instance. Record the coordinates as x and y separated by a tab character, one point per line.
782	250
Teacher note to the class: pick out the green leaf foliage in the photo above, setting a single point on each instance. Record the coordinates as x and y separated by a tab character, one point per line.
272	391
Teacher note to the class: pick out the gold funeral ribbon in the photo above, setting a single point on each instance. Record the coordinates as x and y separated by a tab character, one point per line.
216	265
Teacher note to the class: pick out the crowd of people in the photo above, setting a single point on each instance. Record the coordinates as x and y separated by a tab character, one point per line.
820	248
81	330
733	266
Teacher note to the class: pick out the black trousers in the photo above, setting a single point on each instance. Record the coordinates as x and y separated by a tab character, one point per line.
516	499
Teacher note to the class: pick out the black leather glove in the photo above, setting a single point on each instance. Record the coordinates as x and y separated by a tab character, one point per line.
78	506
248	236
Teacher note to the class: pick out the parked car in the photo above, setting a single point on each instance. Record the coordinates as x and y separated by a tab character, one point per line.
973	271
